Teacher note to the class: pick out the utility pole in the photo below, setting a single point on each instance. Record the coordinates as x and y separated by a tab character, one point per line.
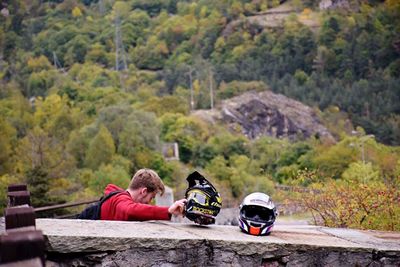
191	88
55	60
360	142
101	7
363	140
120	59
57	63
210	77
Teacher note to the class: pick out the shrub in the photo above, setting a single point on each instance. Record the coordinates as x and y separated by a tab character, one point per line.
372	206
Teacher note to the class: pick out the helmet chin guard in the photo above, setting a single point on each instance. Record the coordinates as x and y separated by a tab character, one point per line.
203	201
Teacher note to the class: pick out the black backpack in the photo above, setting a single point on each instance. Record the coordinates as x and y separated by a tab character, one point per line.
93	211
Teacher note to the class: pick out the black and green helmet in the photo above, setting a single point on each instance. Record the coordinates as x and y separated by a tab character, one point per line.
203	201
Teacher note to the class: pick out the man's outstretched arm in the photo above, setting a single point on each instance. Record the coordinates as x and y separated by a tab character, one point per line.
178	207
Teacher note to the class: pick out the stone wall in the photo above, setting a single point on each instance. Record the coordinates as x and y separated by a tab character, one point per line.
110	243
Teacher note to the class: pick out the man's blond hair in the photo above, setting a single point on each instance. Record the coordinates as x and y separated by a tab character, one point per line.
149	179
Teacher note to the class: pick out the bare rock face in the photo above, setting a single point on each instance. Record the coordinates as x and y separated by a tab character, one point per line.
334	4
267	113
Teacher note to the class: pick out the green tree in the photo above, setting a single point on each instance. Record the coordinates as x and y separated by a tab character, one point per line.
202	154
140	132
7	139
162	105
242	182
332	161
16	109
293	153
360	172
154	7
301	77
97	53
115	118
219	168
38	64
139	24
77	49
5	181
109	174
228	144
39	150
38	182
152	56
235	88
78	143
40	82
101	149
329	30
187	131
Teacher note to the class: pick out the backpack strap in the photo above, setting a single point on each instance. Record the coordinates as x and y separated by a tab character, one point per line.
104	198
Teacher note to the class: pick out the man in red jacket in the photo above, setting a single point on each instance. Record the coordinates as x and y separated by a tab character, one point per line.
133	203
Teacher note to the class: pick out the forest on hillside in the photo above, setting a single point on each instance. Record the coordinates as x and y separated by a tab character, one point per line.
90	90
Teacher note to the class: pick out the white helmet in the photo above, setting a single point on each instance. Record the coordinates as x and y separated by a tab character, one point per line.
257	214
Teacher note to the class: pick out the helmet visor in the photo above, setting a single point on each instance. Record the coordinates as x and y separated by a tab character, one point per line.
258	214
199	197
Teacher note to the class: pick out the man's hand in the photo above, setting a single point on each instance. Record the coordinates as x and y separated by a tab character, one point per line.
178	207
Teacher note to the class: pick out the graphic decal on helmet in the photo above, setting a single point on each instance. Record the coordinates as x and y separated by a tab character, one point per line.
203	201
257	214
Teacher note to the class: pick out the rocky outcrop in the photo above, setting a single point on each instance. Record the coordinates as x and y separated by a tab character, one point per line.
334	4
272	18
267	113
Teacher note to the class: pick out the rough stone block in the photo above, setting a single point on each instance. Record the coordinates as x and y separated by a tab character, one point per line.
21	216
158	243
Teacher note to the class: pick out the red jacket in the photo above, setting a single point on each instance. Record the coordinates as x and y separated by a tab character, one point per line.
121	207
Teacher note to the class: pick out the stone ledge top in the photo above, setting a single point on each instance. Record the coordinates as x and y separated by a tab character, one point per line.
66	236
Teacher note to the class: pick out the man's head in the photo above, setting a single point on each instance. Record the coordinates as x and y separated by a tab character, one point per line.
145	185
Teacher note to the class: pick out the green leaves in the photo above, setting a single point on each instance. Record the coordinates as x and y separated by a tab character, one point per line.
361	173
107	174
7	139
187	131
101	149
